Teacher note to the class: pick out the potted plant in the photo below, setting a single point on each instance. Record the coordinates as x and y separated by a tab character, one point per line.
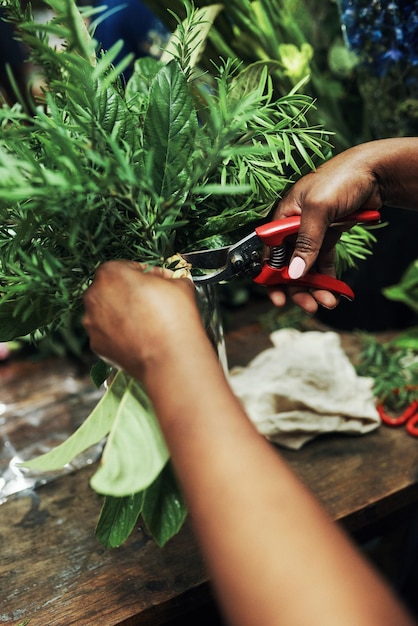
97	171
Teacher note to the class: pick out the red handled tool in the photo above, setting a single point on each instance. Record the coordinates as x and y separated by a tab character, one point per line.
246	257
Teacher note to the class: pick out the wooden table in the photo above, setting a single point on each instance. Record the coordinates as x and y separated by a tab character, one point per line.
54	572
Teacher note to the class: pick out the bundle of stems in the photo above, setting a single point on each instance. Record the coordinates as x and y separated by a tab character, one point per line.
99	170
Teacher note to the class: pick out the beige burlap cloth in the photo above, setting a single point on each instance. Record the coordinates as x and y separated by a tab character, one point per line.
304	386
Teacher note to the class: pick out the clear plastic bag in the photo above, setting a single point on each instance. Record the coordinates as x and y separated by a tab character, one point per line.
41	404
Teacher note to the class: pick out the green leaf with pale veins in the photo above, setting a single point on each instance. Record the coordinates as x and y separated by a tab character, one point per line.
163	509
169	127
135	451
118	518
92	431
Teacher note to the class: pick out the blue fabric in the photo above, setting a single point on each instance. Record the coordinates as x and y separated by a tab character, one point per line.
11	51
134	23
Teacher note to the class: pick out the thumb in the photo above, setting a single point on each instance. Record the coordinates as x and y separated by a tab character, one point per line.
308	244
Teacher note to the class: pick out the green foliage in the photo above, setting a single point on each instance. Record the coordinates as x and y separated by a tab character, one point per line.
394	364
355	245
297	40
406	290
135	452
303	37
394	369
118	518
162	508
96	172
408	339
100	372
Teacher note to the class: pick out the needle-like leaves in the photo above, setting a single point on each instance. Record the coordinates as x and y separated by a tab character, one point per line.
97	172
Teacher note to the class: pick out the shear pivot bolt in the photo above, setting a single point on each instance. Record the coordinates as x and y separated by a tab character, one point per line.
256	267
237	261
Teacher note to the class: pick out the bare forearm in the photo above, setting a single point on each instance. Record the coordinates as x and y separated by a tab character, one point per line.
394	164
273	554
398	172
264	536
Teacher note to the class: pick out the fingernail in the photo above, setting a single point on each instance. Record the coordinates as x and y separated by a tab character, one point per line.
296	267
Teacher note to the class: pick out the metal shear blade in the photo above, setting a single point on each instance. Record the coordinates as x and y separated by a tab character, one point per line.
229	261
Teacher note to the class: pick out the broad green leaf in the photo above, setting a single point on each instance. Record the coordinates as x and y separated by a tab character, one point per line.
162	507
138	86
135	452
169	128
118	518
92	431
100	372
164	510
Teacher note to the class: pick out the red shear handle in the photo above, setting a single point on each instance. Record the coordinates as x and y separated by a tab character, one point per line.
274	233
313	280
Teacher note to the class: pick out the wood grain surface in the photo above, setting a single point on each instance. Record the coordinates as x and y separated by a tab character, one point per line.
54	572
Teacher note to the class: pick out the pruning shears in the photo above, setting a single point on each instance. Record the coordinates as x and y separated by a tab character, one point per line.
247	256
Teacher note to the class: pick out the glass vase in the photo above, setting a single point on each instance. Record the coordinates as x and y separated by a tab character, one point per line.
210	311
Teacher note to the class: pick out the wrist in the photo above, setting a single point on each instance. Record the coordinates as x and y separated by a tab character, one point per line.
394	164
175	354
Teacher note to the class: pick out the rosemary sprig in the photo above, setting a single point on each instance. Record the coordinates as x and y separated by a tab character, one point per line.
355	245
394	370
97	172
